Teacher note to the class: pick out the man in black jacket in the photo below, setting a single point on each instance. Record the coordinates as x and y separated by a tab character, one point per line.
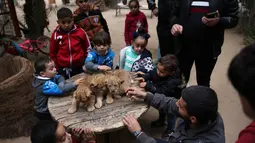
202	35
165	15
198	108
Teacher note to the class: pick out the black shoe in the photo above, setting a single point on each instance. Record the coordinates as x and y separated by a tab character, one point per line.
166	134
157	124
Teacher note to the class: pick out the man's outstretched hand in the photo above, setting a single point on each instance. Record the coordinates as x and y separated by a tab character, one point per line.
134	92
131	123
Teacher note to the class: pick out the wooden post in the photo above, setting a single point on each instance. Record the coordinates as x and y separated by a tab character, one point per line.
14	18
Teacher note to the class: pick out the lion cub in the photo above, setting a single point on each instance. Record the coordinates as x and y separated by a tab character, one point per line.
105	85
83	94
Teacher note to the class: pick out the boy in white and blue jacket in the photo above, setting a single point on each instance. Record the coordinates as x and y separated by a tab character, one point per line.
47	83
101	57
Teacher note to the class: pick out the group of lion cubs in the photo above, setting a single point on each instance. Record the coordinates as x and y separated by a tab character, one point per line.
95	87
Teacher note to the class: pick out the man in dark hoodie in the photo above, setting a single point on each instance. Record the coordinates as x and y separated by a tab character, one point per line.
47	83
241	73
200	25
198	108
165	14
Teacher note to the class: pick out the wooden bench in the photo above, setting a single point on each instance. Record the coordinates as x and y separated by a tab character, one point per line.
120	6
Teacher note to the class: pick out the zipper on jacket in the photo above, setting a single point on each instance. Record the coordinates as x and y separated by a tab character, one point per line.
70	50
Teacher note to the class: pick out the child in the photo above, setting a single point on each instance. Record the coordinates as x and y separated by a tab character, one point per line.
136	57
47	83
101	56
241	74
134	20
68	45
90	18
54	132
165	79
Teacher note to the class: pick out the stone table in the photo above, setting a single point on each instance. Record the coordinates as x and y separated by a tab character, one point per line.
103	121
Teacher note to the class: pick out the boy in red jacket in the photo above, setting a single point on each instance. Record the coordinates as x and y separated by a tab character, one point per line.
241	73
69	45
134	20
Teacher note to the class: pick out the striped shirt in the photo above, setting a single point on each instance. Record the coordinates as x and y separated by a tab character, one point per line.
130	58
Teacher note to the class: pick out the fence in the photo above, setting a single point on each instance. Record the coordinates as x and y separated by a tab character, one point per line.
8	19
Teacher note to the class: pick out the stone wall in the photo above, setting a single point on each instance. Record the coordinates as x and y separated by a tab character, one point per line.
4	17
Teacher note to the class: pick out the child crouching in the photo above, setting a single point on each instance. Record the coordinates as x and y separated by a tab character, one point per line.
164	79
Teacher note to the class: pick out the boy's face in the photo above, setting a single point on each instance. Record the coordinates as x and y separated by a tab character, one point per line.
50	70
161	71
101	49
83	5
247	108
62	136
66	23
133	7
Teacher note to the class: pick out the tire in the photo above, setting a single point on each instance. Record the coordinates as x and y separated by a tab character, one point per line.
45	48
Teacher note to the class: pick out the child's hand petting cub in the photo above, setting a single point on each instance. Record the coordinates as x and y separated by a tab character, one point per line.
140	79
142	84
78	81
140	73
104	68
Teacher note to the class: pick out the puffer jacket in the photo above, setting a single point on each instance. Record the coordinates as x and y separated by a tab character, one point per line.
228	10
92	22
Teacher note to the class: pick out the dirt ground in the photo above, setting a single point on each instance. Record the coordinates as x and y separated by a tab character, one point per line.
229	104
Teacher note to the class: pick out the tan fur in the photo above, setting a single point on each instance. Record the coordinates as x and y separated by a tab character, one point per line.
99	88
114	85
128	79
83	94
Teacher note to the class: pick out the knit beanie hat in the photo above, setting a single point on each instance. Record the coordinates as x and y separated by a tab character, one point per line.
202	102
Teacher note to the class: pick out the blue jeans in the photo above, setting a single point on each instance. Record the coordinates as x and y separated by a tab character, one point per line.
161	141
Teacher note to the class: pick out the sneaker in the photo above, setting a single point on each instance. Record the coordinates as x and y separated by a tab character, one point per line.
157	124
166	134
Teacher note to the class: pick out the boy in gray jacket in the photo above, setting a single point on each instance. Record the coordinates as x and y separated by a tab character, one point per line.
47	83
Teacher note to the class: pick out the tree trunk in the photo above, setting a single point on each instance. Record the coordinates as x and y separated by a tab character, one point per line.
35	17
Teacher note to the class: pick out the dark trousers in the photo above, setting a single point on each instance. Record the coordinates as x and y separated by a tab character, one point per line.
170	120
74	71
161	141
41	116
166	41
202	55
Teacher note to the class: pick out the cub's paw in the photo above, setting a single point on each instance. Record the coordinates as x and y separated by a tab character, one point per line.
72	110
99	104
109	100
91	108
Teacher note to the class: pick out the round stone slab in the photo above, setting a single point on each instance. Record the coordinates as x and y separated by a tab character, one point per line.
103	120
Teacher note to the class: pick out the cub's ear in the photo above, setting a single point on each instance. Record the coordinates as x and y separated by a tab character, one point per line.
106	82
92	85
122	81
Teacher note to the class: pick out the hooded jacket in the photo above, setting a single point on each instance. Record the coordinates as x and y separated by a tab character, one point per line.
163	85
131	25
94	60
248	134
46	87
92	22
144	62
69	49
212	132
